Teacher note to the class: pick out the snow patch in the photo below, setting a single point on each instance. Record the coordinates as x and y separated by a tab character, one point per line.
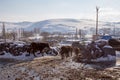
118	54
71	64
107	46
20	57
108	58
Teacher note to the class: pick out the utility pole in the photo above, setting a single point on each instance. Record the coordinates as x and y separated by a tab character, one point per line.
97	10
114	30
80	33
4	33
76	36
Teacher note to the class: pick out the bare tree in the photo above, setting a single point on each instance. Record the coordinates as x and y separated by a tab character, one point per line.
3	32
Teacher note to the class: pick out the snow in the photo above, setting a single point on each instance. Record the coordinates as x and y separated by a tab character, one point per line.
20	57
33	72
107	46
20	45
108	58
118	54
57	25
24	57
72	65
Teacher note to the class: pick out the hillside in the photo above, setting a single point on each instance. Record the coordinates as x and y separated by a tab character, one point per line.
59	25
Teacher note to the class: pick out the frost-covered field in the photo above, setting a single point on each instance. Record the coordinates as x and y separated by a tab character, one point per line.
53	68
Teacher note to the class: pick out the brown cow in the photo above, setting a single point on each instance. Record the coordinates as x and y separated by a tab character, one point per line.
76	51
66	51
84	51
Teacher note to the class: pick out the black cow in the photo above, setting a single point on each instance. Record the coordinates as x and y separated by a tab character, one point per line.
114	43
34	47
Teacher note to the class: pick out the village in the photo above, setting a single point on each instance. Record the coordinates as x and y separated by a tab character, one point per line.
58	56
59	41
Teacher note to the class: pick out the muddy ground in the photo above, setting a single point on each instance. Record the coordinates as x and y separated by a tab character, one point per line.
53	68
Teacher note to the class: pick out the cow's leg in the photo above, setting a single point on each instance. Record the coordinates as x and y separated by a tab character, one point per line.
34	53
71	53
67	54
41	52
29	53
62	55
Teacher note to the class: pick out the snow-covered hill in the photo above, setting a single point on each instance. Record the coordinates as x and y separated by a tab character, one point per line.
62	25
59	25
16	25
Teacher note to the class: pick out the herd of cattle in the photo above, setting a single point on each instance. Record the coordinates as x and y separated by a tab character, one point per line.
90	51
19	49
93	50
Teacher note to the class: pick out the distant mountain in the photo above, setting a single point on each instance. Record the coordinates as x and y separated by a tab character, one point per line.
55	25
13	25
59	25
25	23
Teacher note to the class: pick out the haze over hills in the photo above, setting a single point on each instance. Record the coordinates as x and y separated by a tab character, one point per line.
59	25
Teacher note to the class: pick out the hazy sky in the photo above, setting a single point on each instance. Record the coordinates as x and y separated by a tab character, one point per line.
36	10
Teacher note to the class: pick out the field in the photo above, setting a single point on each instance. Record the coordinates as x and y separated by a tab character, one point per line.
53	68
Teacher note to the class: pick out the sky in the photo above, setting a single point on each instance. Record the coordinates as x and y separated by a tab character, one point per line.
37	10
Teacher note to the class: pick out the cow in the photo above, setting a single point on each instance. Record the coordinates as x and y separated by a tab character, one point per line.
34	47
96	49
76	51
114	43
108	50
4	47
84	50
78	45
66	51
